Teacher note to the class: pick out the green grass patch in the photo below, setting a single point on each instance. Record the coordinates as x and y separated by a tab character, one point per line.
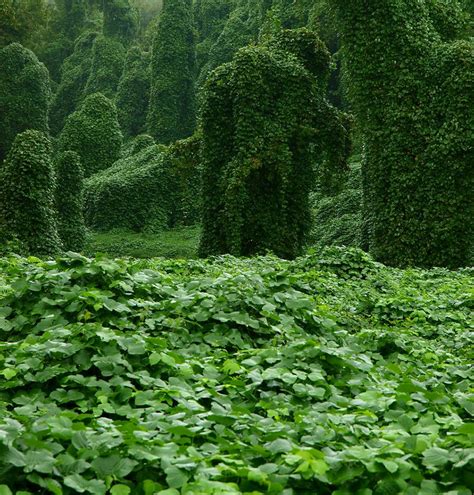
176	243
328	375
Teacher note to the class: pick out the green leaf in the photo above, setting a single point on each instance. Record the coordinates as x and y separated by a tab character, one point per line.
279	446
390	466
435	457
113	465
120	490
175	477
9	373
80	484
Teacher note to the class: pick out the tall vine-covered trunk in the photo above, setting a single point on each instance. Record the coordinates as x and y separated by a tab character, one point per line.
171	112
412	91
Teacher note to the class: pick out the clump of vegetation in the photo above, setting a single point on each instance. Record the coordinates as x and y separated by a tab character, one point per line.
329	374
136	193
413	92
137	144
108	58
150	189
27	183
69	200
171	113
24	94
266	124
337	217
93	132
133	92
210	17
121	20
75	73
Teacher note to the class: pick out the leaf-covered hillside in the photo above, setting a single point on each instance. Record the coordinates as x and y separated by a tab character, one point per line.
330	374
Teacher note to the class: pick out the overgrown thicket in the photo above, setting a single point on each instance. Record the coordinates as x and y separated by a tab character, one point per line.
150	189
135	194
93	132
266	123
171	113
24	94
413	93
133	92
328	375
75	73
27	186
69	200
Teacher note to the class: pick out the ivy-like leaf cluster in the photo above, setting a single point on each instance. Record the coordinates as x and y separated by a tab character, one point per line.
69	200
27	187
330	374
412	89
94	133
266	125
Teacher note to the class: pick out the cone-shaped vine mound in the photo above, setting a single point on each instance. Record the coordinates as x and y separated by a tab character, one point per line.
93	132
27	184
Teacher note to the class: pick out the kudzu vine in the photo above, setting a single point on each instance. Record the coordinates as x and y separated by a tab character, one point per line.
266	124
412	88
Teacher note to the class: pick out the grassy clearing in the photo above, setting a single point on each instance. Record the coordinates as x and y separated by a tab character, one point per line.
176	243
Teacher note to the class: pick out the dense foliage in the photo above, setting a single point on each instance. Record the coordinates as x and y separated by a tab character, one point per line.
337	218
108	58
171	113
151	188
215	128
241	29
265	124
136	193
413	93
75	73
93	132
330	374
120	20
27	183
133	93
69	200
24	94
210	17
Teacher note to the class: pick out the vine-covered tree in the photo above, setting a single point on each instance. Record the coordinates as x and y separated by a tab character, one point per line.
241	29
413	94
66	21
265	122
133	92
24	94
69	200
22	21
93	132
121	20
27	183
71	17
75	73
108	58
171	114
210	17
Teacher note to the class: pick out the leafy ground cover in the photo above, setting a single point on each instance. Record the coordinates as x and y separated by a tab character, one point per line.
330	374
